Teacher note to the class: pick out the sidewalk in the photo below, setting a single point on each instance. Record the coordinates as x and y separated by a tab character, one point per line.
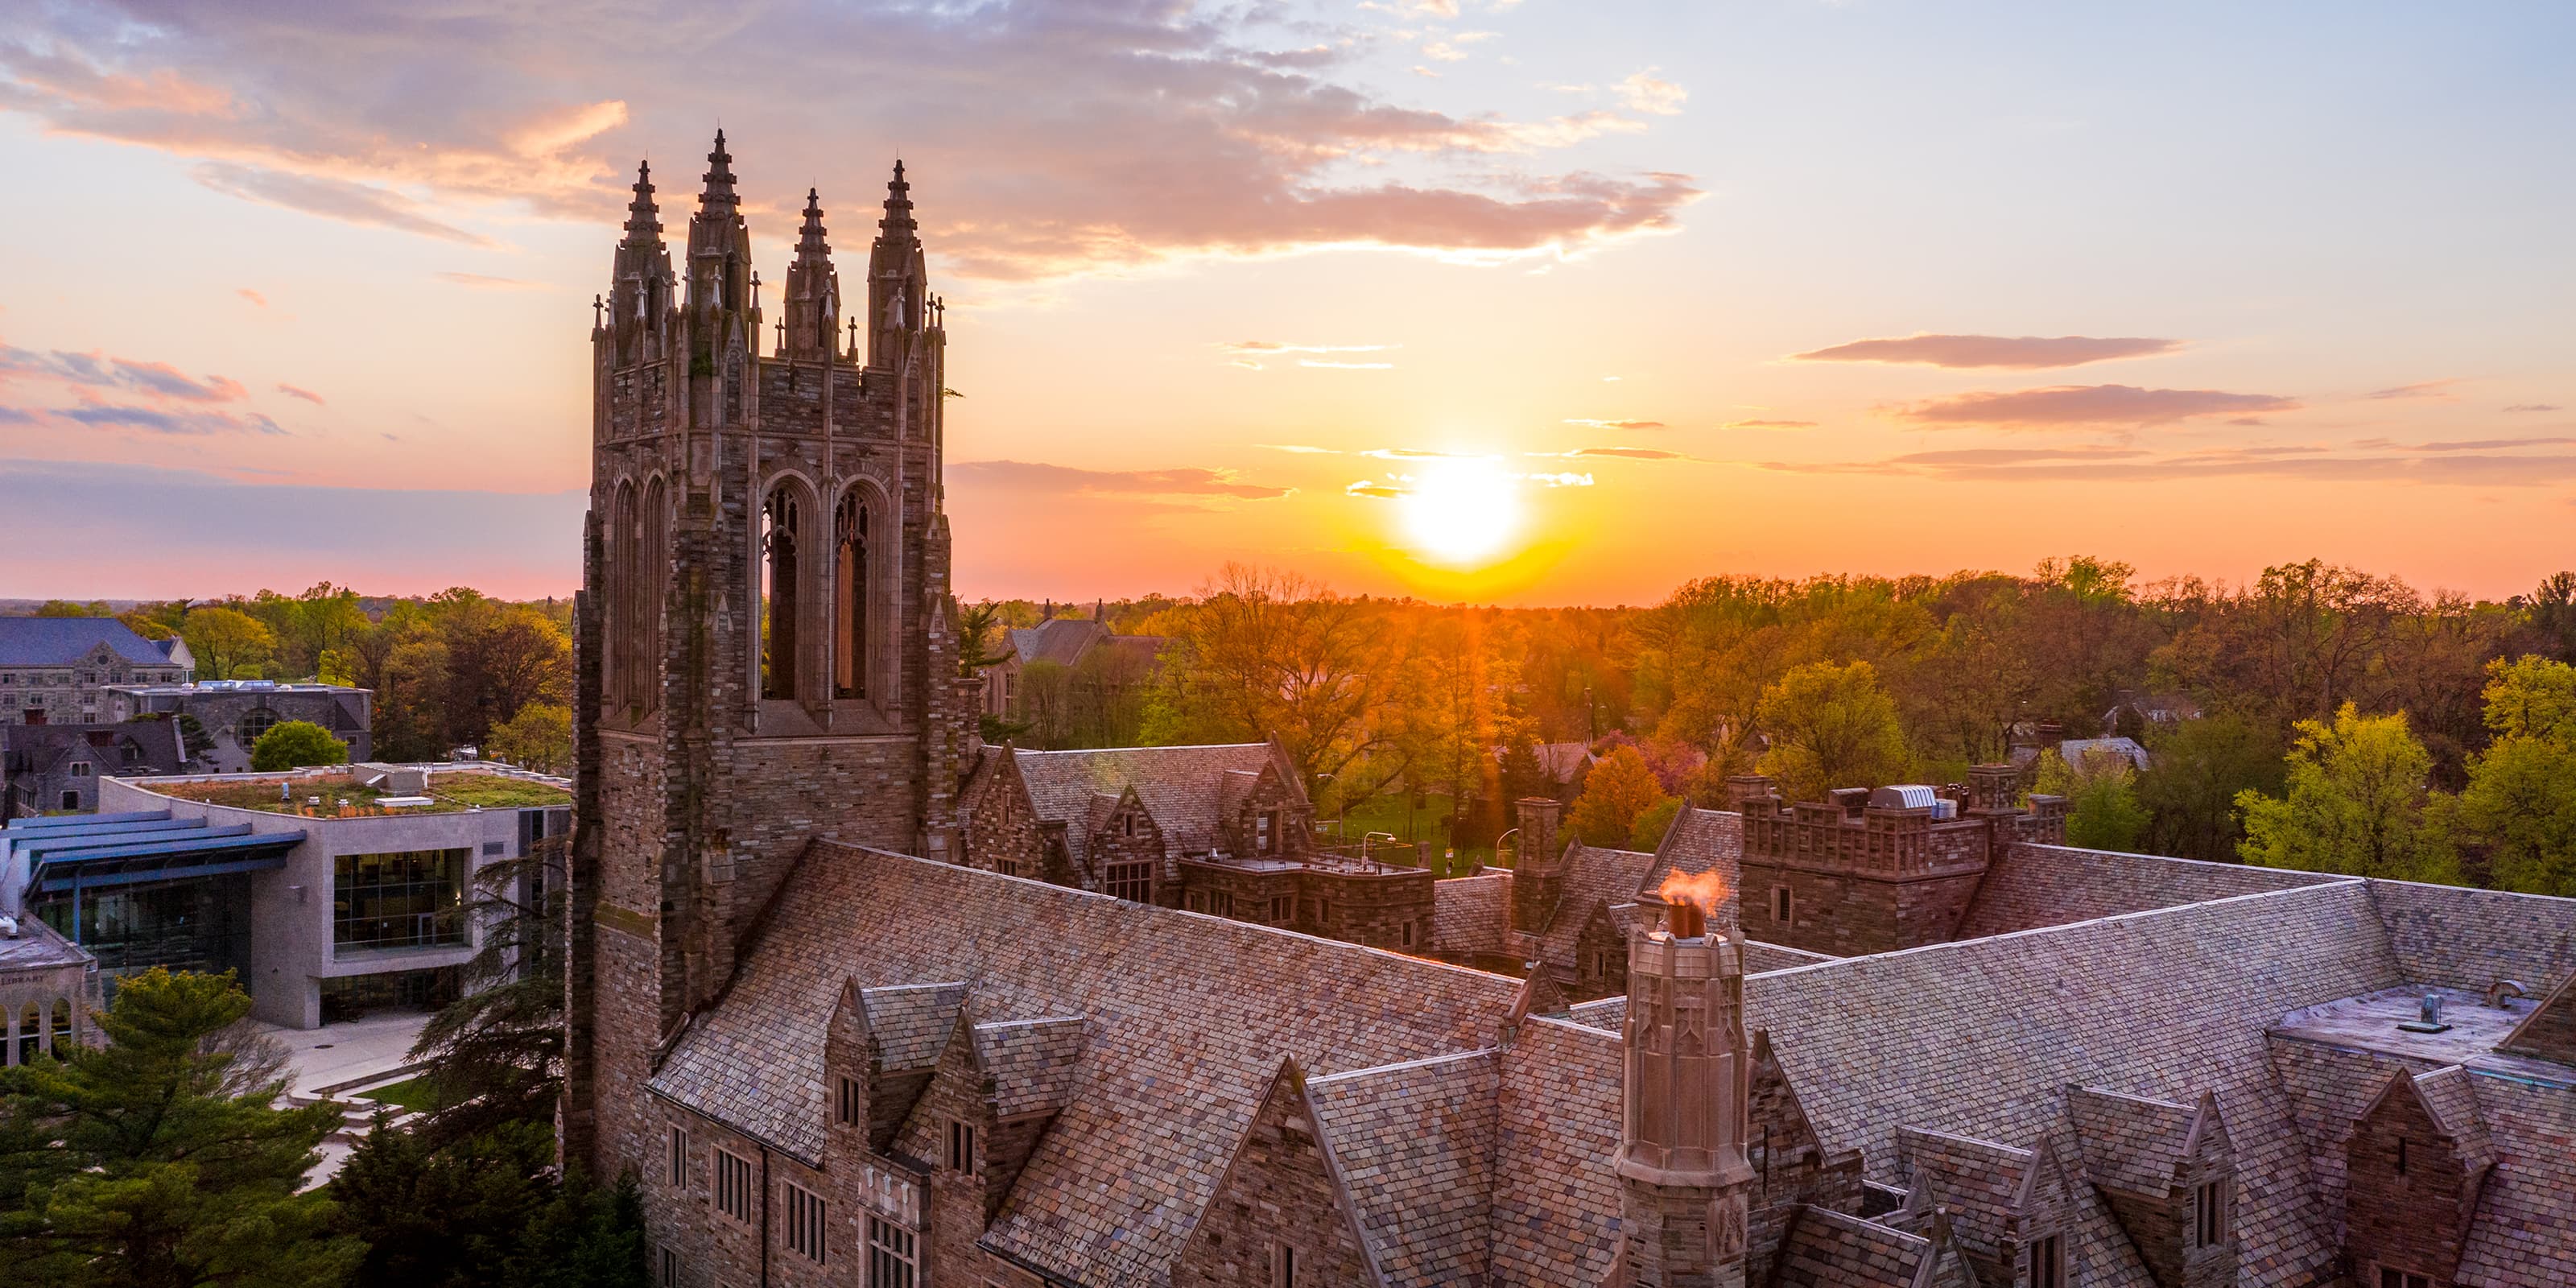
338	1053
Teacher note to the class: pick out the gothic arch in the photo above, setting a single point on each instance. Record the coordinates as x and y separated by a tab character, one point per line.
652	593
864	533
793	540
619	650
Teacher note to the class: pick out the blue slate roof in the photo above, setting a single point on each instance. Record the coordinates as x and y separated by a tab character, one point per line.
62	641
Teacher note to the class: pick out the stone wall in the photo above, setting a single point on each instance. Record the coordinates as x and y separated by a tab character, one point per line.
1276	1193
1842	913
2030	886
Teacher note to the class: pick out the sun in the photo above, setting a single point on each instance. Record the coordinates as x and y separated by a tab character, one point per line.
1461	510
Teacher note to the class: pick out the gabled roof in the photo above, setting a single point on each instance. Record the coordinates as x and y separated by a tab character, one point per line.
1829	1249
1033	1063
64	641
2136	1144
48	747
1182	787
909	1023
1062	640
2549	1032
1415	1144
1990	1187
1187	1018
1556	1202
2454	1105
1595	878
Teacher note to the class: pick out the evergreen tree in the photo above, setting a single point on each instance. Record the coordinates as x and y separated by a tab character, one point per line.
160	1160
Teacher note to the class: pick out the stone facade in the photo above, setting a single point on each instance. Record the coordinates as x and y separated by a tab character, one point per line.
57	670
771	652
232	714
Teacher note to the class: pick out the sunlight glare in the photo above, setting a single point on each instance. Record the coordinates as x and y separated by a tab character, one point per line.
1462	510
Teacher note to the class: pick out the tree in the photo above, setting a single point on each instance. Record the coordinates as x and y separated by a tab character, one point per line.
226	640
2520	802
293	744
1830	726
2353	802
160	1160
498	1048
2197	771
72	608
1620	789
2102	807
539	737
1652	822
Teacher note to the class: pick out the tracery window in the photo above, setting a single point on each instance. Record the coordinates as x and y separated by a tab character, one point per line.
850	598
782	522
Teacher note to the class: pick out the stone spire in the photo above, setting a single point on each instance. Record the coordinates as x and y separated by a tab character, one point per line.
813	290
898	284
639	285
719	177
643	218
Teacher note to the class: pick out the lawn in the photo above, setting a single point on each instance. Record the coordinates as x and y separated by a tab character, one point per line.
450	790
1427	826
417	1094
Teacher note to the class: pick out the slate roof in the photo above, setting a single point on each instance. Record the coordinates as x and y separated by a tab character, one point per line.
46	747
2131	1143
38	946
1471	914
1415	1146
1828	1249
1061	640
2454	1105
1556	1202
1165	1091
1033	1063
1182	787
1703	840
1594	878
1563	762
2525	1232
1981	1181
64	641
910	1023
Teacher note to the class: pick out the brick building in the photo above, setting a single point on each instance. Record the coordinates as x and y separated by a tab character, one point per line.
832	1062
1227	830
55	670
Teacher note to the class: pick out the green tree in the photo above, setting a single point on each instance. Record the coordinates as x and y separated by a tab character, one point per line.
72	608
1653	822
2519	806
2198	769
1830	726
2103	811
539	737
498	1048
1619	790
226	640
160	1160
293	744
2353	802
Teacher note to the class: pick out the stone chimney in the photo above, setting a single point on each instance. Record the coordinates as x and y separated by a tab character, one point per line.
1994	789
1683	1178
1747	793
1538	874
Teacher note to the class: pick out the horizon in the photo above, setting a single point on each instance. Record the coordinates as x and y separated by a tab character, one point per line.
1468	302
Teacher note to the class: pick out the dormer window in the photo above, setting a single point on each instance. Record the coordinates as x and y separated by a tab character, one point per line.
2209	1215
1128	823
961	1145
2391	1277
2047	1263
1265	832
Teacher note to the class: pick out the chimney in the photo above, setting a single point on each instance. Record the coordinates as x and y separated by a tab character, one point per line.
1683	1178
1748	793
1994	789
1538	874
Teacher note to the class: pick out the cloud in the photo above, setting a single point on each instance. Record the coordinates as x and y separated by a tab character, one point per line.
2071	405
305	394
1642	92
156	421
1326	364
1560	480
2017	456
355	203
1770	424
1031	476
1616	424
99	371
1418	454
1048	138
487	283
253	296
2016	353
1247	353
1629	453
2437	389
2475	444
2533	407
1299	449
1382	491
2296	463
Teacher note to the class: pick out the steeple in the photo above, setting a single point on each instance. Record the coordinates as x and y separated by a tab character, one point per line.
639	284
643	218
719	177
813	290
898	285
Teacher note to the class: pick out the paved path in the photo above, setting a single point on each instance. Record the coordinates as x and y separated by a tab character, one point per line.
336	1053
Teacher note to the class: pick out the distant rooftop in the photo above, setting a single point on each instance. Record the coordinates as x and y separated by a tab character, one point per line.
369	791
62	641
236	686
2371	1022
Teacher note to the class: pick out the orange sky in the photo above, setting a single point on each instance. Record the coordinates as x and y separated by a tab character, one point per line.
307	302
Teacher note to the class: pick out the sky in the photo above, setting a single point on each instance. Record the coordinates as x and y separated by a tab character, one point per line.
1520	301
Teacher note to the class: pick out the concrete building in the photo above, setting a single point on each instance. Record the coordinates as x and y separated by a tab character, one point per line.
332	891
230	715
55	768
56	670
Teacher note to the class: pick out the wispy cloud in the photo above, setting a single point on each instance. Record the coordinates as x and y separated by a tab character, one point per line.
153	420
341	199
2533	407
1299	449
1249	353
1626	453
1643	92
2435	389
2074	405
1589	423
1036	477
99	371
2015	353
485	282
1331	364
1770	424
306	394
2468	467
253	296
1381	491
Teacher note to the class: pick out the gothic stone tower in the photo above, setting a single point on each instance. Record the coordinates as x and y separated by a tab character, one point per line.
766	642
1684	1181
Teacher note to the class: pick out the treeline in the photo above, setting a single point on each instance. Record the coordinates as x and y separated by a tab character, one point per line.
454	669
1845	680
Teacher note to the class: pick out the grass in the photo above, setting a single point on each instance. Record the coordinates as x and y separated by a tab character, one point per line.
450	791
1426	826
418	1094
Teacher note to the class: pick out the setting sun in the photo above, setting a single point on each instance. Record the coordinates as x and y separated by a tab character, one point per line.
1462	510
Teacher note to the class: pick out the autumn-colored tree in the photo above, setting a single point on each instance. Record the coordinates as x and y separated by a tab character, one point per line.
226	641
1830	726
1619	790
2353	802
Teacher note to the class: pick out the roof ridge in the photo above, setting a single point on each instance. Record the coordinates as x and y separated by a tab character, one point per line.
1404	1065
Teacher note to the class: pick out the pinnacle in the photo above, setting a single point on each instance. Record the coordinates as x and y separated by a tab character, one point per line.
643	218
719	175
809	242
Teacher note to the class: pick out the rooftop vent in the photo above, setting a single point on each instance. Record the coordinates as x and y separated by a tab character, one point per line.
2428	1019
1909	796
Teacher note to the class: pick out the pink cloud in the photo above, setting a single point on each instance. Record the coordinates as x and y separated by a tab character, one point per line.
305	394
2074	405
1032	476
2020	353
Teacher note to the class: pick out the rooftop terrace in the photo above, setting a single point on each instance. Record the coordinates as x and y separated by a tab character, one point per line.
321	793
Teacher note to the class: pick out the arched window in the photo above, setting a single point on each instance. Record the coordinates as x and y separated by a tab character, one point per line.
781	527
62	1035
656	566
850	598
619	651
31	1032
